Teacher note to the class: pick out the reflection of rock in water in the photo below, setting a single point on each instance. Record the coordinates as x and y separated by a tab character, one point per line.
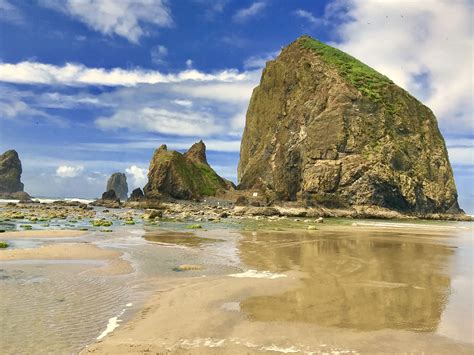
366	282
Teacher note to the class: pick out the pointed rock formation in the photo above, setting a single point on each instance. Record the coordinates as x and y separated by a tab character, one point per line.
183	176
326	128
10	176
118	183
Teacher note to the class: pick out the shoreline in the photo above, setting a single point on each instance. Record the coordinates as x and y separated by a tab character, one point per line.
220	206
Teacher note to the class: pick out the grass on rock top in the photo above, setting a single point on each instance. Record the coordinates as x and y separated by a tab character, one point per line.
365	79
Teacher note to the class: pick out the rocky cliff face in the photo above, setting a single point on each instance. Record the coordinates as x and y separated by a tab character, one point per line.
10	173
183	176
118	183
326	128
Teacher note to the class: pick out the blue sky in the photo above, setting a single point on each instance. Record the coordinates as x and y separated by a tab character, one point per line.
90	87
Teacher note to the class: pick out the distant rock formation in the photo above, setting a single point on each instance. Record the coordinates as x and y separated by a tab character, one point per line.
11	186
136	195
183	176
324	128
118	183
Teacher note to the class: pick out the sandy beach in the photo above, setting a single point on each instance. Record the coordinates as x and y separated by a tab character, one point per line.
52	233
73	251
203	317
301	311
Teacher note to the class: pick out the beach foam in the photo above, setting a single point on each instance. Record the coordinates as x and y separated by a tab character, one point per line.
257	275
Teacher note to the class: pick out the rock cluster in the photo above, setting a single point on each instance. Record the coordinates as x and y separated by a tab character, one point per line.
11	186
183	176
118	183
326	129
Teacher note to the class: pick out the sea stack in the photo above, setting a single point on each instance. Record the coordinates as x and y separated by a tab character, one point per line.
118	183
183	176
325	128
10	176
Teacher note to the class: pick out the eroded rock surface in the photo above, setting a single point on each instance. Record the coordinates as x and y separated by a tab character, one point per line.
327	129
183	176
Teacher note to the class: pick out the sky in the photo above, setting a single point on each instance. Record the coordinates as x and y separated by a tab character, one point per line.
91	87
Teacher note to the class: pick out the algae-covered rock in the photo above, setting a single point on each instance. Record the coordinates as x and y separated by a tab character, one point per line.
183	176
324	128
118	183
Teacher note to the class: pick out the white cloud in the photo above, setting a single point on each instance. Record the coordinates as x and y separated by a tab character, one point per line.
124	18
186	103
16	108
78	74
189	63
245	14
10	13
66	171
148	119
259	61
425	47
137	175
158	54
308	16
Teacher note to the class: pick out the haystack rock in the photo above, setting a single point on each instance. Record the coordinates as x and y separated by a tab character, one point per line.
118	183
10	176
183	176
326	128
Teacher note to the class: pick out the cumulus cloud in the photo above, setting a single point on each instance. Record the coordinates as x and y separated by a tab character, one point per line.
137	175
158	54
78	74
67	171
124	18
243	15
424	47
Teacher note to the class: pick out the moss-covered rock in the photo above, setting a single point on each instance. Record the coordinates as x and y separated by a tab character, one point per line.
325	128
183	176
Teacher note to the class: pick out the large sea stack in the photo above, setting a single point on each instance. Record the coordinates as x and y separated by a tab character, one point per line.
325	128
118	183
183	176
10	176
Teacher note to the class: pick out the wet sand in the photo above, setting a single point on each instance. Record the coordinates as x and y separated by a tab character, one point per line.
338	289
73	251
42	234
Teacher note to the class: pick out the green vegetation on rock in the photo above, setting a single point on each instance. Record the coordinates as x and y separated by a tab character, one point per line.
3	245
183	176
366	79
